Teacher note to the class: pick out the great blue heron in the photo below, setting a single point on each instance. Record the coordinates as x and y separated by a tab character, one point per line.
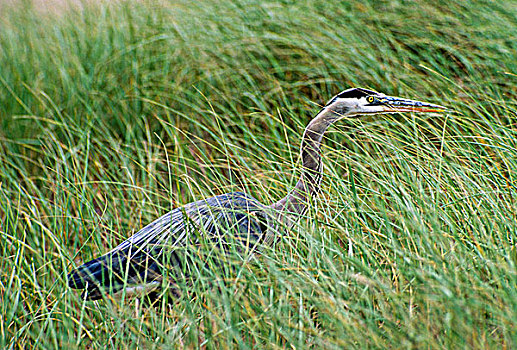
136	265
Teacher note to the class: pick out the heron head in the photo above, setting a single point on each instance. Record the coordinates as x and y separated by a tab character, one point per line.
362	101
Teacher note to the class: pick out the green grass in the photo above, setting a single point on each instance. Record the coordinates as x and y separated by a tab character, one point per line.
113	115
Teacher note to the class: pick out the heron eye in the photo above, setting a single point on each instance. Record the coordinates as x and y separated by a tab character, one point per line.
370	99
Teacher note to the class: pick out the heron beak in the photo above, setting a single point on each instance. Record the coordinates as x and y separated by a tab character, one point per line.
397	104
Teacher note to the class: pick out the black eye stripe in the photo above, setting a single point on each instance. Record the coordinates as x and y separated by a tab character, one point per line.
354	93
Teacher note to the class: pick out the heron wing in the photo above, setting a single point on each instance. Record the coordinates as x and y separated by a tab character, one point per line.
223	220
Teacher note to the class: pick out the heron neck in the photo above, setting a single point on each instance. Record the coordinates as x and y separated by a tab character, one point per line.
308	185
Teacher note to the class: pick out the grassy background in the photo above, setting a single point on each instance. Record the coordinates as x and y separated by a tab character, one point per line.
114	114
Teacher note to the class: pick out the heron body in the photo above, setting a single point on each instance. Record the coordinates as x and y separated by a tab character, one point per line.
139	263
231	222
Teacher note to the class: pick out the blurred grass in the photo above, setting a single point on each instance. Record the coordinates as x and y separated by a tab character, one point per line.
113	114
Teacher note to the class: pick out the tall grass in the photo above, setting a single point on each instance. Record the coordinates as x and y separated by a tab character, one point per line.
114	114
